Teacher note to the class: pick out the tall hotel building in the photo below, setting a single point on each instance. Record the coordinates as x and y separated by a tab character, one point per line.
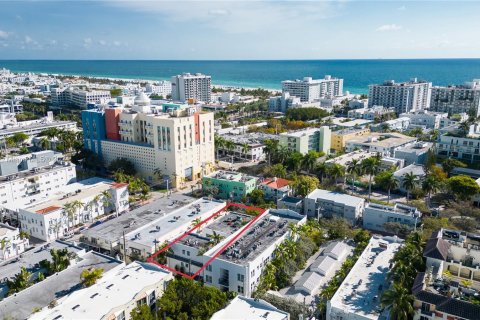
457	99
175	138
196	87
404	97
309	90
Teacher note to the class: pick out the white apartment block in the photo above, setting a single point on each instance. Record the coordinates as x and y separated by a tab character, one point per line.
283	103
237	268
310	90
461	148
358	297
52	219
79	98
188	86
457	99
324	203
304	141
114	296
11	244
251	309
372	113
10	126
384	143
376	215
404	97
425	119
162	88
29	179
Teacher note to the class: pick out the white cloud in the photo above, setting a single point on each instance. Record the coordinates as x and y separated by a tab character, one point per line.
28	39
219	12
402	8
117	43
389	27
4	35
102	42
87	40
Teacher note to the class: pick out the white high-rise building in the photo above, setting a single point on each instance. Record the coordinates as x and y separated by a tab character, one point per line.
457	99
404	97
191	86
309	90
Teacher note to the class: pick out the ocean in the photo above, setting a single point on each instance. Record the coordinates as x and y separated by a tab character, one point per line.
357	74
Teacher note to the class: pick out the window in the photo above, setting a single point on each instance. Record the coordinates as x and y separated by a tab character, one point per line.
208	279
240	277
209	267
240	289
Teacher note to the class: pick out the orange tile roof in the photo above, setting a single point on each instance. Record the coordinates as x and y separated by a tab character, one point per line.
278	184
117	185
48	209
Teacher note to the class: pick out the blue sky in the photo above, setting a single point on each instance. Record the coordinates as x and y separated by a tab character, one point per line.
238	29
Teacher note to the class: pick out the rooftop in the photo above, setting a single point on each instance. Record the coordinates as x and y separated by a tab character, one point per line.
230	175
301	133
260	235
335	197
172	224
275	183
383	139
113	289
343	122
5	228
112	230
418	148
291	200
396	208
36	126
361	290
417	170
242	308
41	294
346	158
37	171
72	192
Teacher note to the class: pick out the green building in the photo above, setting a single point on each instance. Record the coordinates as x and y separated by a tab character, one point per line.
303	141
228	185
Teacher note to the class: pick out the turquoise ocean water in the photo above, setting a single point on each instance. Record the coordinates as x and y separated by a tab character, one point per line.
358	74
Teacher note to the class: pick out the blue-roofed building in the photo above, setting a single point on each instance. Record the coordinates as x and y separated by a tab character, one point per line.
291	203
93	123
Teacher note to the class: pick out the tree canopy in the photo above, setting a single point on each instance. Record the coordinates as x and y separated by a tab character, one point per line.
124	165
306	114
463	186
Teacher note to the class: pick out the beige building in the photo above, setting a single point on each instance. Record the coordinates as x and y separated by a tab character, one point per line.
339	138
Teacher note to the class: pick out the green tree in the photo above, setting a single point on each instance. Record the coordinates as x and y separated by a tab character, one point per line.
399	301
277	170
309	161
90	276
116	92
256	197
303	185
430	185
449	164
19	282
386	180
335	171
124	165
464	187
219	144
371	166
142	312
409	182
354	169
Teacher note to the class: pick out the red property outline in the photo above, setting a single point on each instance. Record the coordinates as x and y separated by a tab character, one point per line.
150	259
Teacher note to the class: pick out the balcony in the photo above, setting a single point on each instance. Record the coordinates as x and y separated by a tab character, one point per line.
427	313
224	281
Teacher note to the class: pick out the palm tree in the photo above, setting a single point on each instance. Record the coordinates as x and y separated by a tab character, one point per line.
371	166
430	185
44	143
195	222
399	300
77	205
4	243
60	260
321	169
335	171
230	146
409	183
219	144
158	172
354	169
216	238
308	161
90	276
69	213
20	282
270	149
245	148
464	128
390	183
283	153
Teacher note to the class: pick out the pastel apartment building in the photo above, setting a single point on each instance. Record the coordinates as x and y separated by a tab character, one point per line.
275	188
11	243
384	143
174	138
303	141
375	216
230	185
340	137
74	204
466	149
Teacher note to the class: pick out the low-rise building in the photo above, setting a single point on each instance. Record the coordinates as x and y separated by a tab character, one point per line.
114	296
32	178
240	257
325	203
415	169
275	188
340	137
34	127
416	153
12	244
76	203
229	184
242	308
48	291
358	297
291	203
77	97
398	124
450	286
248	147
303	141
384	143
466	149
346	158
425	119
373	113
376	215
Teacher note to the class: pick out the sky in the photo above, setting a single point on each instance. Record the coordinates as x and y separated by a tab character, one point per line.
239	30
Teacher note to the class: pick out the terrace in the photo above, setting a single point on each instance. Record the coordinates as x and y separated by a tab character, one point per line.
261	235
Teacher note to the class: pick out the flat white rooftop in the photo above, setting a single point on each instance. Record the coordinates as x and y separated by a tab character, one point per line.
335	197
114	289
348	157
242	308
360	292
300	133
72	192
